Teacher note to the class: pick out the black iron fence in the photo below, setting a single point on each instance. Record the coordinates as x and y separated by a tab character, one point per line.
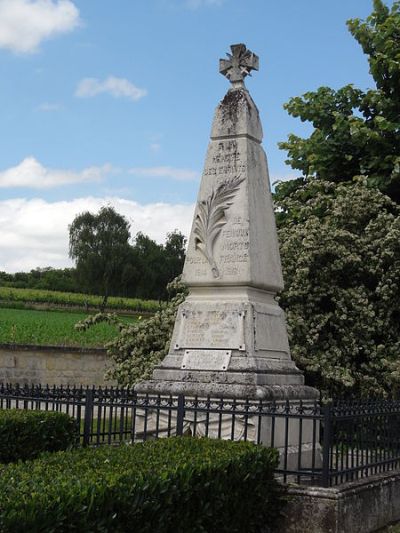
318	445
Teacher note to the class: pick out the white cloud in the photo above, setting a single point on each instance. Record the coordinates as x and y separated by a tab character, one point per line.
24	24
30	173
180	174
34	233
117	87
275	178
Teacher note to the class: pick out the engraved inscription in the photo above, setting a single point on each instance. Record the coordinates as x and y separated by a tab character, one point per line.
225	161
232	169
230	270
226	158
234	258
235	245
212	329
235	233
206	360
227	146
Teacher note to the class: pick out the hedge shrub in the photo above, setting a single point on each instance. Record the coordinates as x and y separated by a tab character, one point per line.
26	434
169	485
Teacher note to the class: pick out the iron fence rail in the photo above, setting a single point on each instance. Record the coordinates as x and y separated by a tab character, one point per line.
318	444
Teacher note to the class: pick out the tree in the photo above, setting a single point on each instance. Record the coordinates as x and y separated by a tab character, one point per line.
355	132
174	252
340	247
149	260
53	279
99	243
156	265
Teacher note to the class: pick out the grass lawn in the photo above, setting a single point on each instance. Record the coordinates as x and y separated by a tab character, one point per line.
21	326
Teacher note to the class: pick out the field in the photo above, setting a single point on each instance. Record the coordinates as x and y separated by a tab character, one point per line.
12	297
56	328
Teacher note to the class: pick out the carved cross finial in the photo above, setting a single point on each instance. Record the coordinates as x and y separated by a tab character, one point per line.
241	61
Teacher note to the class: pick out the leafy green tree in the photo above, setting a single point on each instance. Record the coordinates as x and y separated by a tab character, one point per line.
53	279
340	247
174	253
148	257
355	132
99	243
153	266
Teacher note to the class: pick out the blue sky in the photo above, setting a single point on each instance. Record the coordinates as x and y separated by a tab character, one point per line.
112	101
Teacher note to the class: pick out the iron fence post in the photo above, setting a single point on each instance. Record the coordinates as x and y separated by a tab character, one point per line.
326	445
180	415
87	422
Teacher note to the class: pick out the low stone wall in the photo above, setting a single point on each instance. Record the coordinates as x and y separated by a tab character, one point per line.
363	506
54	365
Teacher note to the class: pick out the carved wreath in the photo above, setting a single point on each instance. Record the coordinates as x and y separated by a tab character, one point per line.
211	218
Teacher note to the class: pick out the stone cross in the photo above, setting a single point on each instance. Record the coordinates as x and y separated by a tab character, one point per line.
241	61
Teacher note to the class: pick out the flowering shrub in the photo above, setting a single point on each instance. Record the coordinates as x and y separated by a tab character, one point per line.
340	247
141	346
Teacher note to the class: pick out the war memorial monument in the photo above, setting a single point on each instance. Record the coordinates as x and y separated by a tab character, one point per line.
230	339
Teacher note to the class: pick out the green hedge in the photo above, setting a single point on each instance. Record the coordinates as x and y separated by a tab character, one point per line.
170	485
26	434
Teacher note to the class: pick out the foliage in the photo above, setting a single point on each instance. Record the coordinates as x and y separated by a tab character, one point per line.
52	328
152	266
340	246
54	299
146	271
100	245
141	346
53	279
356	132
107	264
26	434
177	484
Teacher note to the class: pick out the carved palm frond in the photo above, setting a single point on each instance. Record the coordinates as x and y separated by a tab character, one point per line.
211	218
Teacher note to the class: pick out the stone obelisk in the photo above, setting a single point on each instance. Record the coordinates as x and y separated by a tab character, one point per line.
230	336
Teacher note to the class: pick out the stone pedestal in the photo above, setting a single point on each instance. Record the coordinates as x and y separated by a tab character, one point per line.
230	336
231	343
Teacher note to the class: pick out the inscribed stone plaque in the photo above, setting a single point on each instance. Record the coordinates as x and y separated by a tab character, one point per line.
206	359
211	327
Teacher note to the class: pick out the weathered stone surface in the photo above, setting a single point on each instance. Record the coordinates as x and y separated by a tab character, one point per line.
33	365
362	506
233	239
230	336
238	65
